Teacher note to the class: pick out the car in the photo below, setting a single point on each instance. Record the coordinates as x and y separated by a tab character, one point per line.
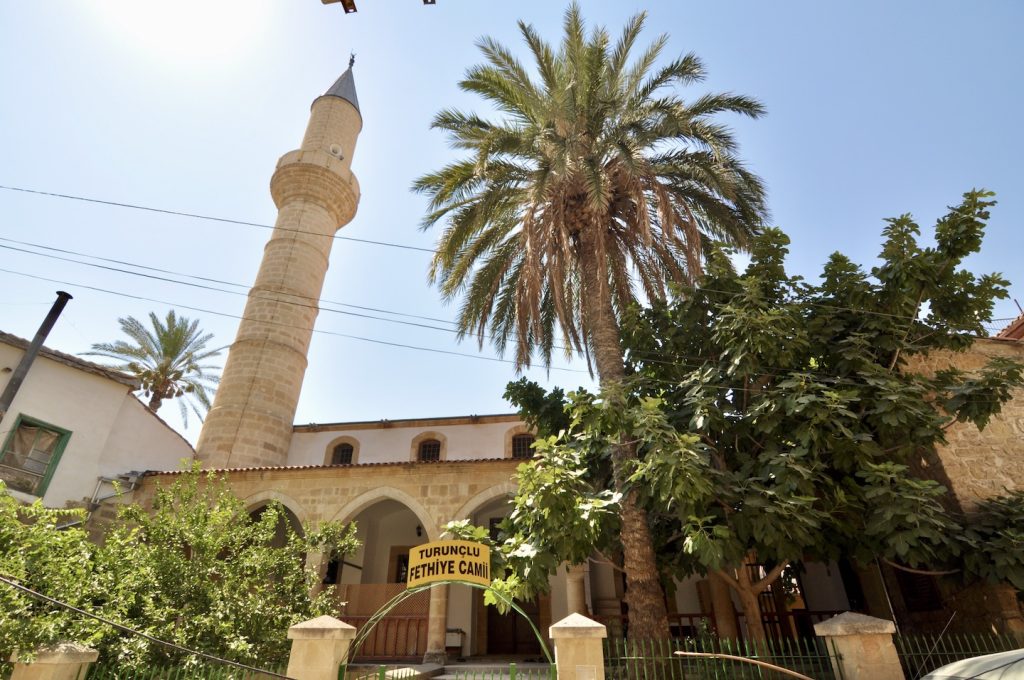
999	666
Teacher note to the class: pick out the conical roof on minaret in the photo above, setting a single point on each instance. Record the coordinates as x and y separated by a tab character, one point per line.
345	88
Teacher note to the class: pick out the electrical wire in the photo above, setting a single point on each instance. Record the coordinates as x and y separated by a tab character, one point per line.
179	213
678	360
13	583
211	218
272	323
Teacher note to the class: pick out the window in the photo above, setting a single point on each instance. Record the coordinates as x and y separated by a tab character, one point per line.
920	591
430	450
522	446
342	454
30	455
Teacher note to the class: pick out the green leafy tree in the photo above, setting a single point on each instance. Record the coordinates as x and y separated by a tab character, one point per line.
193	569
778	420
168	360
598	181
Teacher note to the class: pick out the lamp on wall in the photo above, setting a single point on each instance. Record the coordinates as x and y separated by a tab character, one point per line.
419	530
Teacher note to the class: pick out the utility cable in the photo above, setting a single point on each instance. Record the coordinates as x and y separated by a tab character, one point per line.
696	362
12	582
273	323
210	218
345	238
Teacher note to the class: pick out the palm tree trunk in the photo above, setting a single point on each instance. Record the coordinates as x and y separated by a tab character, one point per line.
155	401
648	617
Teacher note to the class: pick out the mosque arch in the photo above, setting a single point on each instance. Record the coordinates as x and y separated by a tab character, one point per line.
506	489
388	493
262	498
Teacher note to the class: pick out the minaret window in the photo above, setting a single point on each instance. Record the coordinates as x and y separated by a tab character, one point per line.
430	450
522	446
342	454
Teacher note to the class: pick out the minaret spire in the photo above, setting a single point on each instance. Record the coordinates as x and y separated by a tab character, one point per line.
250	424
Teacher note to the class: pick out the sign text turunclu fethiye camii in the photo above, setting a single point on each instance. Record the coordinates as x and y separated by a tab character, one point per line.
449	561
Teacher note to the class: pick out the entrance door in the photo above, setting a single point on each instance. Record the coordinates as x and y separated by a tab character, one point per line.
510	633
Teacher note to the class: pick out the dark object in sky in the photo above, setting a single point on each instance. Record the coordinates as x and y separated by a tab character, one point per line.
350	5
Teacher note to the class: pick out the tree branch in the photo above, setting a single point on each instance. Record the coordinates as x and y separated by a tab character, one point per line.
729	580
921	572
770	577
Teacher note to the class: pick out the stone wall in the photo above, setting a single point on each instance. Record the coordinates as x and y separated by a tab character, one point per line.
435	492
985	463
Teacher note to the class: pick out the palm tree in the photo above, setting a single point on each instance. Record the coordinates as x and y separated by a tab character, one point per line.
167	360
597	184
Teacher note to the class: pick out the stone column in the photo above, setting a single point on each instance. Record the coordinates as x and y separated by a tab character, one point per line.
864	645
319	647
578	652
437	625
576	589
66	661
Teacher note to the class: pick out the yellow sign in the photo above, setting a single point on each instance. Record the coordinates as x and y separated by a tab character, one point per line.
449	561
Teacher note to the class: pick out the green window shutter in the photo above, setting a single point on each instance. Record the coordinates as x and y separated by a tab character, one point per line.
31	454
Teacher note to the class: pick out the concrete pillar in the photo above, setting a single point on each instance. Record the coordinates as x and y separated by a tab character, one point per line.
319	647
65	661
578	652
437	625
576	589
864	645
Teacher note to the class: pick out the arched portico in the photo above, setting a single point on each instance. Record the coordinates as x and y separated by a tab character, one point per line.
357	505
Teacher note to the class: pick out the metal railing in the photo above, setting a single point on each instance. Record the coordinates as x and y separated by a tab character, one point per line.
510	672
115	671
656	659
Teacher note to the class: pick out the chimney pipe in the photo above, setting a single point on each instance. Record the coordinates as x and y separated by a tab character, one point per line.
31	351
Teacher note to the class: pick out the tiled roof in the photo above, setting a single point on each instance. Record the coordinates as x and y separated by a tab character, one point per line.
408	422
1015	331
287	468
73	361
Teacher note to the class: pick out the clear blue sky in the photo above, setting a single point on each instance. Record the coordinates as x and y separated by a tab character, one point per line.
875	109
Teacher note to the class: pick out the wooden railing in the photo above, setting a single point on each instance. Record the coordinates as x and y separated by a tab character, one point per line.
401	638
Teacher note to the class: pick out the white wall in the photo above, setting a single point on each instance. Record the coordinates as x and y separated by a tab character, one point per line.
111	431
394	444
823	587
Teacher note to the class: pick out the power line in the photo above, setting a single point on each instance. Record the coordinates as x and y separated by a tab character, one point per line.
273	323
210	218
782	371
12	582
646	357
229	292
343	238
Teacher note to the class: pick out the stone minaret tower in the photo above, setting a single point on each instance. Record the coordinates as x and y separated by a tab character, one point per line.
316	194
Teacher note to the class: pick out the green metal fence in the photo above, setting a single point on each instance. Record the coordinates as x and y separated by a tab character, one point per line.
656	659
114	671
376	673
510	672
921	654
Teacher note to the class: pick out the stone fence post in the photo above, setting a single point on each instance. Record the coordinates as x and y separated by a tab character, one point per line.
66	661
319	647
864	644
578	652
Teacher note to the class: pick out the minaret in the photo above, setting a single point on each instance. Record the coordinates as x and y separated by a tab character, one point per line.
316	194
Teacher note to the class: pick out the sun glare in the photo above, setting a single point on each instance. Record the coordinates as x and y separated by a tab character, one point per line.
186	31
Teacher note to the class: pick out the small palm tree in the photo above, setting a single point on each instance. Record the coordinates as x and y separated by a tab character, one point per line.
597	186
168	360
